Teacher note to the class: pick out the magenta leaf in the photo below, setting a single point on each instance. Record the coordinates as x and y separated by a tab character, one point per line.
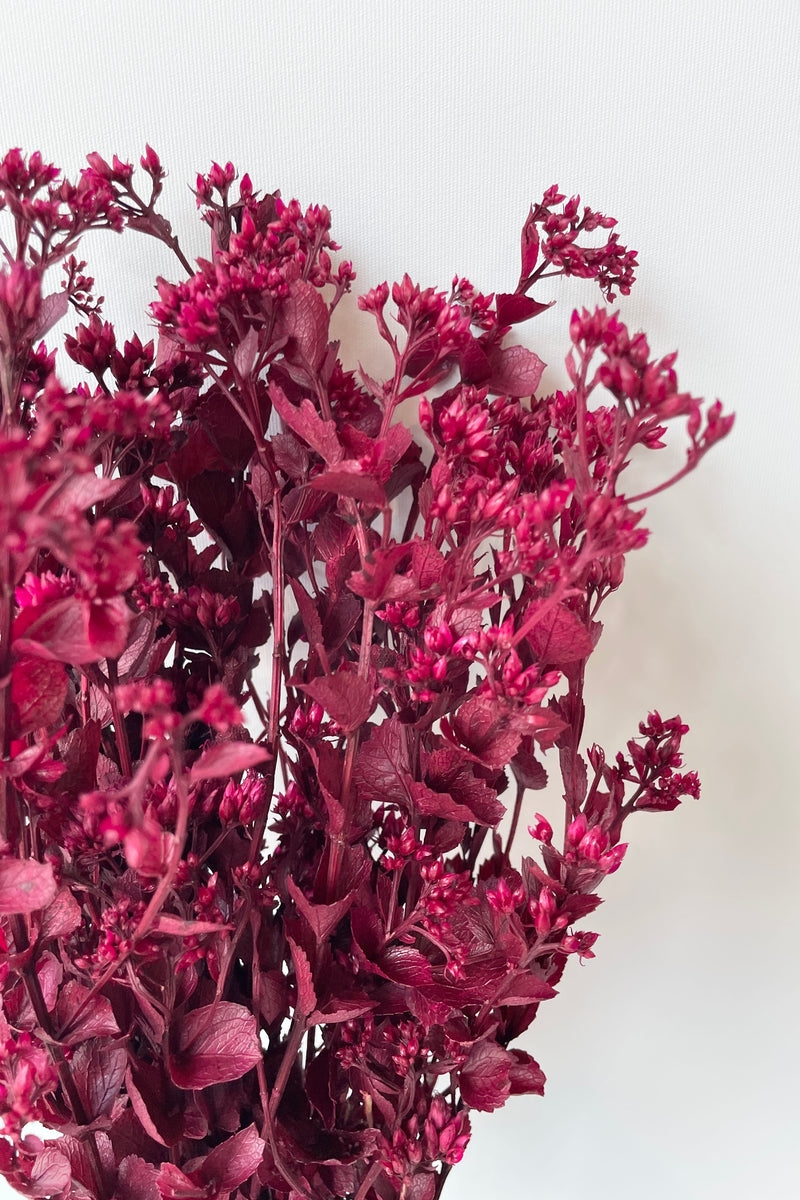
529	245
137	1179
560	638
179	927
61	917
38	689
25	885
75	631
233	1161
50	1175
228	758
214	1045
308	424
173	1184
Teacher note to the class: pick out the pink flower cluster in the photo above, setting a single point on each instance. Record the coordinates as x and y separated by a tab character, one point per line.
271	703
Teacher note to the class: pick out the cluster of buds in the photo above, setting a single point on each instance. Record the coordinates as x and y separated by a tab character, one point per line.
612	265
402	845
242	802
443	893
309	721
414	1148
474	501
585	844
401	615
653	767
201	606
175	515
355	1036
407	1049
446	1137
155	699
113	940
504	898
476	306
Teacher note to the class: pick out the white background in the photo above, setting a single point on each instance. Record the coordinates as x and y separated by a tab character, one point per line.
428	128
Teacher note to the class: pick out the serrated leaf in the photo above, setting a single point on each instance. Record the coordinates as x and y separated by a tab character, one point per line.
484	1079
215	1044
306	996
516	371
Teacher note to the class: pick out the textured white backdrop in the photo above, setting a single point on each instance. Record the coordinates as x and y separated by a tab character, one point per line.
428	128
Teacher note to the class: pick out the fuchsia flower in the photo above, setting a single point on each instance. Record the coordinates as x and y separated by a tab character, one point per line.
266	698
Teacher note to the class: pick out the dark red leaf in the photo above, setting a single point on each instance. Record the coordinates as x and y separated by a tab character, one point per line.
490	733
346	697
304	317
214	1045
322	918
526	989
38	689
513	308
429	803
309	614
484	1078
61	917
98	1068
25	885
349	479
383	765
525	1074
404	964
